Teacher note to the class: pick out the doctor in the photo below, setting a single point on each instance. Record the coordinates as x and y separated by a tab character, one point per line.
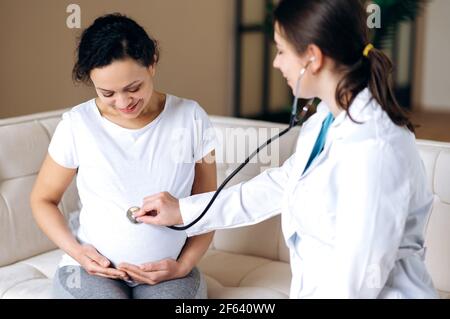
353	198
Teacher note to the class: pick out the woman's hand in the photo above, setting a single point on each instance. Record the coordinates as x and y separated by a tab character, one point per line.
160	209
156	272
96	264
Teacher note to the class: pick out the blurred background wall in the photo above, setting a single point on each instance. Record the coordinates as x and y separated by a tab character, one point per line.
37	50
433	48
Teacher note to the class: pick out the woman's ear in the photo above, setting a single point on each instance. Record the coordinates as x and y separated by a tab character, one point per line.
152	69
316	56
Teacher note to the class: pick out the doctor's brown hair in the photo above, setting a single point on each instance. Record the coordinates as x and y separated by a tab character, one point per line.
338	28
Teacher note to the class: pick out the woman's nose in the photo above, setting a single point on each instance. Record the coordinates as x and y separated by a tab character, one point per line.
122	101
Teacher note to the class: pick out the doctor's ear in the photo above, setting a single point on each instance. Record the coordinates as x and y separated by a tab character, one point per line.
316	58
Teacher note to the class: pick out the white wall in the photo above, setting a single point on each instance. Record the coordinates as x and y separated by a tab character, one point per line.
435	81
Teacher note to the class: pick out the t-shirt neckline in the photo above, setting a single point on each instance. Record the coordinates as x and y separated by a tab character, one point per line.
130	130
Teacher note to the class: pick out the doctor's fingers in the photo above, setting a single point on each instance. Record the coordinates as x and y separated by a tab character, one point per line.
150	207
151	220
163	217
159	201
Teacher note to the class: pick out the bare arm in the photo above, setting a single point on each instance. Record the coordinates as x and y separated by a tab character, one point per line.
205	181
47	192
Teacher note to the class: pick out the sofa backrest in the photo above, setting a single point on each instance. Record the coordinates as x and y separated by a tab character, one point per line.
264	239
23	146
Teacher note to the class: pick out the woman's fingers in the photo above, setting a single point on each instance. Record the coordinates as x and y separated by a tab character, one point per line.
93	254
149	278
96	264
141	279
106	276
155	266
157	276
109	272
137	274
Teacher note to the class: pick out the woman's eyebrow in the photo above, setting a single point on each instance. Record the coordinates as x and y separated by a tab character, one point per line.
123	88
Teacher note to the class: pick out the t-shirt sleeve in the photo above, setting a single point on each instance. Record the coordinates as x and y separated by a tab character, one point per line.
206	140
62	147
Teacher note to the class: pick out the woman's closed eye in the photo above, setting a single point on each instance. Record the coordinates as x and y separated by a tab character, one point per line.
133	90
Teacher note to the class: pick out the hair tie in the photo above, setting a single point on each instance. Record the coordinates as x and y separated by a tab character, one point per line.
367	49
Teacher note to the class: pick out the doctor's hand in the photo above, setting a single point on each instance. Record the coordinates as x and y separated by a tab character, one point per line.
160	209
155	272
96	264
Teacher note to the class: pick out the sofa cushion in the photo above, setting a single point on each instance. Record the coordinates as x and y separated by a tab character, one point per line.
258	240
217	291
30	278
38	288
232	270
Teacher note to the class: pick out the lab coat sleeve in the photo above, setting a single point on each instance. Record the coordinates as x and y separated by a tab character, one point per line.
243	204
371	211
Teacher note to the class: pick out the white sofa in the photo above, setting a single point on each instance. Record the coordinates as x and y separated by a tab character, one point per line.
250	262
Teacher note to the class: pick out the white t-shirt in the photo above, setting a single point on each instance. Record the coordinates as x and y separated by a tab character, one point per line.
118	167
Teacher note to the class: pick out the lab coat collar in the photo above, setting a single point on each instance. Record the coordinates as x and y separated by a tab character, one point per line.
308	136
341	127
361	101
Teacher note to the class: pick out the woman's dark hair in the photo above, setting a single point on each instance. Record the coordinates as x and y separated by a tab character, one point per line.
110	38
339	29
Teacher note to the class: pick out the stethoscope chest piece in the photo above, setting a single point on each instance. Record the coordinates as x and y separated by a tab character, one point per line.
130	213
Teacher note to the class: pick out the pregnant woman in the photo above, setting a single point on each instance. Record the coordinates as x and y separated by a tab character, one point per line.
129	142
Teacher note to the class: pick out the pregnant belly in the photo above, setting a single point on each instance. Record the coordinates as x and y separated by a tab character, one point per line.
121	241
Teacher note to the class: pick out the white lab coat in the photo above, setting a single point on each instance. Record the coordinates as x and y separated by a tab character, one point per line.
354	221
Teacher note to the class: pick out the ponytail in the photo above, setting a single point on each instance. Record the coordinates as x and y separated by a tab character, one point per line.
381	87
373	70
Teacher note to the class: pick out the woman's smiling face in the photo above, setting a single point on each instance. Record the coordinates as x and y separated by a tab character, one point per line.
125	86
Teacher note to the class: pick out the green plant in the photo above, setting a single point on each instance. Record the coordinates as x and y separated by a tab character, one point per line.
393	12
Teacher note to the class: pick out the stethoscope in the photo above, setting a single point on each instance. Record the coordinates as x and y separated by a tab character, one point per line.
295	119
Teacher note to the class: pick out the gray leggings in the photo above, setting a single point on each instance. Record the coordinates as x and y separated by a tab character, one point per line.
73	282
